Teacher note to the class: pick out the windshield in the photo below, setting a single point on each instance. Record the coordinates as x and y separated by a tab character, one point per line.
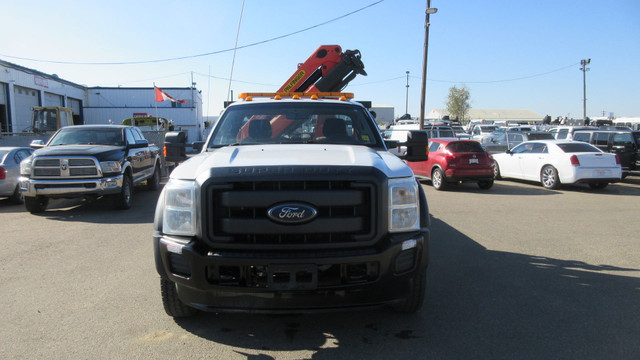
488	128
88	136
2	155
45	120
291	123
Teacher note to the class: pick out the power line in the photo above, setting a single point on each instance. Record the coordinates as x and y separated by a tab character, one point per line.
470	82
507	80
198	55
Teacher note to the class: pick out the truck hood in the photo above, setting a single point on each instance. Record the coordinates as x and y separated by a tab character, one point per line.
292	155
102	152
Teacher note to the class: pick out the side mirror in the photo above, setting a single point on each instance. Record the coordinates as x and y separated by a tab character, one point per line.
37	144
198	145
417	146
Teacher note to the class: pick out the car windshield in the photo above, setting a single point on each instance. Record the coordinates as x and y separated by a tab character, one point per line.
464	146
578	147
88	136
488	128
300	122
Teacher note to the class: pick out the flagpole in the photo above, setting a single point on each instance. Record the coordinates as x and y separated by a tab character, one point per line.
156	103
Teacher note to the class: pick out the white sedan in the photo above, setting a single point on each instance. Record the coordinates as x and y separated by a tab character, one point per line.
555	162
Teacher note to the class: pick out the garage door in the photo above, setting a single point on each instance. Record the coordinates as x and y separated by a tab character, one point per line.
52	100
25	99
4	120
76	106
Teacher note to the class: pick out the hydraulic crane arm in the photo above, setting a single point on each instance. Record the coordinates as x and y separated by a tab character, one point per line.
328	69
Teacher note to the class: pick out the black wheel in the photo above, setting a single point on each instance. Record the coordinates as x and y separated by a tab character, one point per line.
549	177
153	183
438	179
36	204
598	186
414	301
496	171
172	304
16	197
124	198
485	184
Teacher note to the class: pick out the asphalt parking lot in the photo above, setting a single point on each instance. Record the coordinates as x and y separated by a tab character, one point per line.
517	272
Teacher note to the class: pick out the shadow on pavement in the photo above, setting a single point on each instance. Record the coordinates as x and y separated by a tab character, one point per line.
480	304
102	210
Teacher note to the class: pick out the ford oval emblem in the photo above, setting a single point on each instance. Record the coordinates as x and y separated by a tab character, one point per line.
292	213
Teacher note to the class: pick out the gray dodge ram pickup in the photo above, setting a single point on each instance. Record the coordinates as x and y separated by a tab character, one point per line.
293	205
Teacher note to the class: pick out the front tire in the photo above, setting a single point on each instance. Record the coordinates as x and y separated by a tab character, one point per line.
36	204
124	199
173	306
496	171
415	299
549	177
438	179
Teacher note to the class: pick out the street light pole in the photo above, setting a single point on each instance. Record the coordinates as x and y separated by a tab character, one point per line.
406	106
584	68
428	12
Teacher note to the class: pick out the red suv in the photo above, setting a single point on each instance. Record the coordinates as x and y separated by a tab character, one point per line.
452	161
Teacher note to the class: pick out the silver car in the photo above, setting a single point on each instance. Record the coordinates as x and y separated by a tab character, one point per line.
10	158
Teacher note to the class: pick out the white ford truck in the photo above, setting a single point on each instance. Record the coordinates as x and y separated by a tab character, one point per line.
294	205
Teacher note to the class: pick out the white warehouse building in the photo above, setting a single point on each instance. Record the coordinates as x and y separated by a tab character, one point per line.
22	88
106	105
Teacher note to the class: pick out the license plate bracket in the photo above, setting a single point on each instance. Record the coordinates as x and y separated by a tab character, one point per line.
293	277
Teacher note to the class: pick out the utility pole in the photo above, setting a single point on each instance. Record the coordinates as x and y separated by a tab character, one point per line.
584	68
406	106
424	61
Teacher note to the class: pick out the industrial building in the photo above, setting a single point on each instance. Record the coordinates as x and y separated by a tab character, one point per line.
22	88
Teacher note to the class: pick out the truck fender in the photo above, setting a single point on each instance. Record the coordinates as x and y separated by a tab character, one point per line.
126	166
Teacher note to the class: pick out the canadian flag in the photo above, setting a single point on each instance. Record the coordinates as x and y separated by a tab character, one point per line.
163	96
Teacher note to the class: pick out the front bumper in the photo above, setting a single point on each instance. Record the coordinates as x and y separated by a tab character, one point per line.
65	188
286	282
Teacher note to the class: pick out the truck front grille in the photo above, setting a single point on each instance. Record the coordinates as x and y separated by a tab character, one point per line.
236	214
65	167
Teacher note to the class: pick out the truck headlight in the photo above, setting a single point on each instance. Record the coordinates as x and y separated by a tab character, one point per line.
404	207
111	166
25	166
179	213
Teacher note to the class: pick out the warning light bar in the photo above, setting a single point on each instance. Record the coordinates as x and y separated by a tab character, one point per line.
297	95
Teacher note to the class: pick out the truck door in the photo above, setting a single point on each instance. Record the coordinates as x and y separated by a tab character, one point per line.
135	154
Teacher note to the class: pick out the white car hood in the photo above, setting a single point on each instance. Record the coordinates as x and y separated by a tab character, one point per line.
292	155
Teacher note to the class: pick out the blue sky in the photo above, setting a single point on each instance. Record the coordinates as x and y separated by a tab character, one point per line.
510	54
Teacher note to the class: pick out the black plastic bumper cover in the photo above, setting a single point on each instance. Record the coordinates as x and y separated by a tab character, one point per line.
294	284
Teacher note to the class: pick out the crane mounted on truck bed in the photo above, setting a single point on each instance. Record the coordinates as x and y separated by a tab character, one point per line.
328	69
